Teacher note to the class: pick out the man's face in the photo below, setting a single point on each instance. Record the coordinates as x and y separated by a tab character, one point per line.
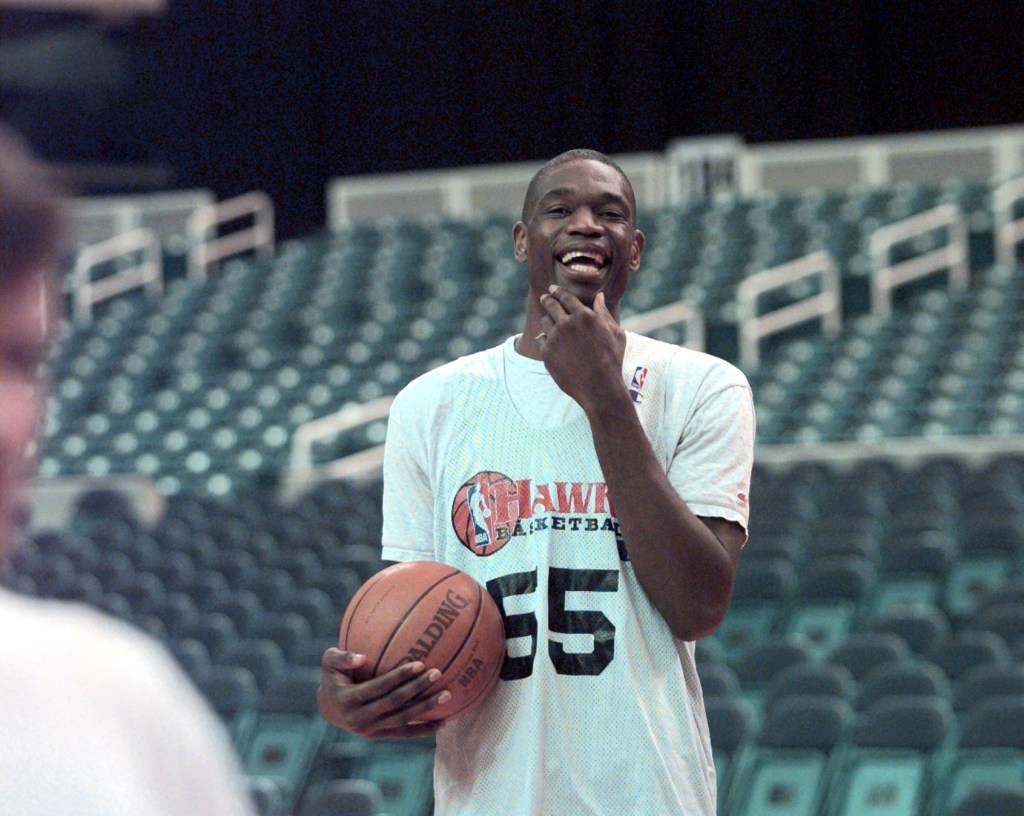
26	325
581	234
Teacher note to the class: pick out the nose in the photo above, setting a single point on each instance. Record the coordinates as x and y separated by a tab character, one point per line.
584	222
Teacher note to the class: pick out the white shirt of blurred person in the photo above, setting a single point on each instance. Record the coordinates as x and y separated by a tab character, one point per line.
96	719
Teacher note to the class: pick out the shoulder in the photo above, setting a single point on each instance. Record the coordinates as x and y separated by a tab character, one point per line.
697	369
103	649
139	727
435	387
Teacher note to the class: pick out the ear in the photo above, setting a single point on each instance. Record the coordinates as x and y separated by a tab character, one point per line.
519	241
636	251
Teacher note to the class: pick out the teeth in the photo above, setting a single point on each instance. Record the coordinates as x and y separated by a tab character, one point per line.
570	258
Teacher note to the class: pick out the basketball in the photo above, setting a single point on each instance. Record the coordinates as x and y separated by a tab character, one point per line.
429	612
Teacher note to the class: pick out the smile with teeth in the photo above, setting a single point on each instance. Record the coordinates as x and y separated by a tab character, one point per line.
582	261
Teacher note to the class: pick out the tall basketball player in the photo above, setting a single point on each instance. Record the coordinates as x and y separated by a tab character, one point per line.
617	471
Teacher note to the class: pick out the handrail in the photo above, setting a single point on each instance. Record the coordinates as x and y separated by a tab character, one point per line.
207	249
827	304
886	277
679	312
1008	231
302	472
148	272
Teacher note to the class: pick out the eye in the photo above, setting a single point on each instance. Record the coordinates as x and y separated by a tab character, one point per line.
557	210
615	215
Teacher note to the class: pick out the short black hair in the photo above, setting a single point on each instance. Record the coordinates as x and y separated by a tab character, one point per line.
577	154
32	217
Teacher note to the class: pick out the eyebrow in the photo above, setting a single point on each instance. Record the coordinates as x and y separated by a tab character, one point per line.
606	197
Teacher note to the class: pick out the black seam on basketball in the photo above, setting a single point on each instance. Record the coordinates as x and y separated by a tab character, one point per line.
469	631
489	685
366	591
408	612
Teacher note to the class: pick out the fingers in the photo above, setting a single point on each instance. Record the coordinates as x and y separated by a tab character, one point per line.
336	660
391	703
569	302
397	686
552	309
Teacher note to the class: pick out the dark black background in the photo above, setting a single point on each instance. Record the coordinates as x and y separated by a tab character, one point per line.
282	96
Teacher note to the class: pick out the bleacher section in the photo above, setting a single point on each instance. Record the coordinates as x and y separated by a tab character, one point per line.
249	355
873	659
860	586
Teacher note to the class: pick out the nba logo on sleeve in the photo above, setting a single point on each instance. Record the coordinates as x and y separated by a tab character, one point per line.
636	386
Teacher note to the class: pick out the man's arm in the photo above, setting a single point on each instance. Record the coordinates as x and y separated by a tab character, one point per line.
391	705
686	564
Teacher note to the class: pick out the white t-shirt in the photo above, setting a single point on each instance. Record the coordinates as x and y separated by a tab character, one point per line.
97	720
491	468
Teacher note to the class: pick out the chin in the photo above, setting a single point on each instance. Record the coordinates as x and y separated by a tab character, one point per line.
586	294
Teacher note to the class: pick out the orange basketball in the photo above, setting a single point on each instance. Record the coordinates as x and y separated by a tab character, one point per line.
433	613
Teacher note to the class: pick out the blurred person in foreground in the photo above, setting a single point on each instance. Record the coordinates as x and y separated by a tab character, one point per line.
95	718
599	709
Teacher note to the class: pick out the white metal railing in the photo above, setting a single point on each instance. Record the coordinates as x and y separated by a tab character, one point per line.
1009	232
303	472
971	153
696	167
703	167
907	451
466	192
147	272
826	305
679	312
207	249
96	218
886	276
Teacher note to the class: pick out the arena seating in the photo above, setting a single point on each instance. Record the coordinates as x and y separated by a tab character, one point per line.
794	706
878	617
201	390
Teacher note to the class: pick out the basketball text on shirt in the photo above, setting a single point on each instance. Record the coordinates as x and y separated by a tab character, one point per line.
490	509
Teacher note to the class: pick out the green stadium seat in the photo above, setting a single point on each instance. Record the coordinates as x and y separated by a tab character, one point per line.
732	724
966	650
818	679
717	679
826	606
889	766
760	591
233	693
991	800
288	731
989	753
900	679
924	628
862	652
788	771
763	661
404	774
342	797
987	682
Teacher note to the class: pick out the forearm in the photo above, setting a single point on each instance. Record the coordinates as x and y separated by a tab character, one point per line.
682	566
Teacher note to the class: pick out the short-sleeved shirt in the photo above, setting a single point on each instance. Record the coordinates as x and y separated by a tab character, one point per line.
96	719
491	468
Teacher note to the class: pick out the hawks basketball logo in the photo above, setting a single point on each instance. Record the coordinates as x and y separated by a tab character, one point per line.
491	509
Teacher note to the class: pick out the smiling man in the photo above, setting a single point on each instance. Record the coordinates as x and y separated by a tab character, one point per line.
611	474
